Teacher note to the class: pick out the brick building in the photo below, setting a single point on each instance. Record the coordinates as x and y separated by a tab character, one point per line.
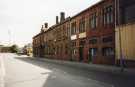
38	42
92	34
61	40
53	42
89	36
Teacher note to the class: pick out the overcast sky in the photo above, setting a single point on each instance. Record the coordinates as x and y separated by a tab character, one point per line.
20	20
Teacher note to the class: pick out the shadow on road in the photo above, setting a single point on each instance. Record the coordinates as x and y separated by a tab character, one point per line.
117	80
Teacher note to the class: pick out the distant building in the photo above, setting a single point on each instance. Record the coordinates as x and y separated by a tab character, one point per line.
28	50
5	49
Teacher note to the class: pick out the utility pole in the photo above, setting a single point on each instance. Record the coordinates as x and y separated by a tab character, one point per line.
117	23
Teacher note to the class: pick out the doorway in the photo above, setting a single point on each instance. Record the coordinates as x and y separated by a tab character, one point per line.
80	54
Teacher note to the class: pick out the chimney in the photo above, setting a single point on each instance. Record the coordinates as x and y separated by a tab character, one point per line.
57	19
46	25
42	28
62	15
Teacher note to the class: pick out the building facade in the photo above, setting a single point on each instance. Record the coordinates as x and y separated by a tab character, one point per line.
5	49
89	36
54	41
93	34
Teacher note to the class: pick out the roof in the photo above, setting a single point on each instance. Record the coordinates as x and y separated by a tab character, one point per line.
69	18
52	27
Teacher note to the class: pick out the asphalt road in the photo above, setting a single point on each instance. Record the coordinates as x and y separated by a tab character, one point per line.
20	71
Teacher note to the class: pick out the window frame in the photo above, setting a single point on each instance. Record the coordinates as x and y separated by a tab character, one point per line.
108	14
73	28
107	39
108	51
82	25
93	20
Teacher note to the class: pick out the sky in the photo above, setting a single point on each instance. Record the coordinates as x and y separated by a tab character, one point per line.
20	20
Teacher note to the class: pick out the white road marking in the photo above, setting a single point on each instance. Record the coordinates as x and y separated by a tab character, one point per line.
2	72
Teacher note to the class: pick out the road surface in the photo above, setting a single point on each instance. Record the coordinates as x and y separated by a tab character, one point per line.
24	72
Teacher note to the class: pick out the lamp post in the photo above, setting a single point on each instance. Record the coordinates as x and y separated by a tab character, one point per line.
9	34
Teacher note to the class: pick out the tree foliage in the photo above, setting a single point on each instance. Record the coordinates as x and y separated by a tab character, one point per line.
14	48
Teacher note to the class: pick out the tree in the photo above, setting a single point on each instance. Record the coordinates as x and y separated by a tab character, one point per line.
14	48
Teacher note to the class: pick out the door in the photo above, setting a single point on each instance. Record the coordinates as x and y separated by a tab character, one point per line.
81	54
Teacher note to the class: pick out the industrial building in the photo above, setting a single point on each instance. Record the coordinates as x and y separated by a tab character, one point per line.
91	36
86	37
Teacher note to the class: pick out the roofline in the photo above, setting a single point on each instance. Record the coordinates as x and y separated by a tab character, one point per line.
69	18
81	12
36	35
52	27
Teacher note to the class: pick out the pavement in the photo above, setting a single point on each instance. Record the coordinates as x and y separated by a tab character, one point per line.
90	66
23	71
2	72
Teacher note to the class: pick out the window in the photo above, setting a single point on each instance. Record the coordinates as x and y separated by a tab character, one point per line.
93	21
108	15
93	51
74	51
63	29
73	43
61	49
67	30
82	25
73	28
66	49
93	41
108	51
82	42
107	39
129	13
57	50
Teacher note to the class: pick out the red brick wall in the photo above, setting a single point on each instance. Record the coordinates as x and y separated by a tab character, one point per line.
58	33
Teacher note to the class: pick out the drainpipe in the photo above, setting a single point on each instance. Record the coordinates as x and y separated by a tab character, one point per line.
69	39
70	47
117	17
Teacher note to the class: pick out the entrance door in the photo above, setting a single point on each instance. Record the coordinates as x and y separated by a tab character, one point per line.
81	53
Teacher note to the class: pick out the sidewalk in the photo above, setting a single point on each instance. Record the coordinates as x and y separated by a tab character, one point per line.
2	72
91	67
